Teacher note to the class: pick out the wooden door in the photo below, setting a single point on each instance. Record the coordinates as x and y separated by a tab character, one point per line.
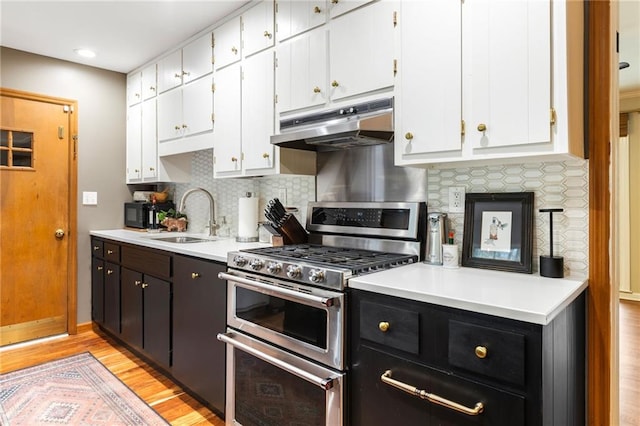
38	215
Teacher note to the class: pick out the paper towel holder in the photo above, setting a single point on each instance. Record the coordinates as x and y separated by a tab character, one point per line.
251	238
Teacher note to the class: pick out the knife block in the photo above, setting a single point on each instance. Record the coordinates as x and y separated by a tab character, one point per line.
292	231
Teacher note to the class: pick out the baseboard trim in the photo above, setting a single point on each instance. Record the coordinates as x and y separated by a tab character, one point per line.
635	297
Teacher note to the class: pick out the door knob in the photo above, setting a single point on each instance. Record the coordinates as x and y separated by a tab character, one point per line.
482	127
59	233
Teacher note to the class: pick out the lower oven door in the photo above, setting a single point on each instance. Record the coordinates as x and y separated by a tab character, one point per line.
268	386
303	319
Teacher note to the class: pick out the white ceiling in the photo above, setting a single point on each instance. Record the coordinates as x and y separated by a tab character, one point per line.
127	34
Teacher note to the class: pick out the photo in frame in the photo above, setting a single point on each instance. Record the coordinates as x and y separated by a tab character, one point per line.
498	231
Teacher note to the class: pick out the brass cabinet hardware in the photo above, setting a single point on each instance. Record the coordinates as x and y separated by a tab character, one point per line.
383	326
481	352
462	129
99	268
176	75
184	126
265	155
144	285
234	159
136	170
137	282
109	251
267	34
96	247
176	127
152	88
395	18
335	83
335	1
186	73
316	10
151	169
482	127
195	275
433	398
408	136
109	271
234	50
552	118
316	89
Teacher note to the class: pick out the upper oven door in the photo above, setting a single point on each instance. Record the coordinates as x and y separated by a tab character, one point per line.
303	319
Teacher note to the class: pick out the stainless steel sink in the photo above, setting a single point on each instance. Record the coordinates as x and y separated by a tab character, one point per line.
183	239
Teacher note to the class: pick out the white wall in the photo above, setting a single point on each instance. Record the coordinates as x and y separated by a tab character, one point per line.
101	145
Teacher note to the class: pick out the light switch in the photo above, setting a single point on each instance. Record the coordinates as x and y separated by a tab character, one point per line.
89	198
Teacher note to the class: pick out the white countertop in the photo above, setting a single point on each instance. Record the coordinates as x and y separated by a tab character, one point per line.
212	250
523	297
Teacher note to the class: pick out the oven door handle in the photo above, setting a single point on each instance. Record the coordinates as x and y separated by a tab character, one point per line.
275	290
321	382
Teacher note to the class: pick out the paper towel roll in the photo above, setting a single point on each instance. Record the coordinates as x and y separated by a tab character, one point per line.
248	219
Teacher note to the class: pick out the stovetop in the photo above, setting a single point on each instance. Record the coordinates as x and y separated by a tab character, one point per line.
323	266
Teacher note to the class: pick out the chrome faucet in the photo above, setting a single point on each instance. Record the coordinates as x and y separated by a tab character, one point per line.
212	221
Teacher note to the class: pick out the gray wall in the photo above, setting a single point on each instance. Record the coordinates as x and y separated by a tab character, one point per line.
101	145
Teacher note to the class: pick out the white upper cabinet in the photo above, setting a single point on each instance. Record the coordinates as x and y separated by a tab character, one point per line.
170	115
134	144
258	28
361	50
186	111
134	88
149	82
227	43
197	58
428	102
294	17
170	71
339	7
258	112
302	71
149	141
227	147
509	73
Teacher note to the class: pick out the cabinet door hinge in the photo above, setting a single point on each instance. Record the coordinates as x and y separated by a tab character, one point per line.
213	41
552	116
75	146
242	156
213	87
213	117
275	98
395	67
462	129
395	18
213	59
67	109
214	159
276	7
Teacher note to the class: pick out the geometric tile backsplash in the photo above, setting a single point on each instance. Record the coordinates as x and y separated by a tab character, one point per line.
561	184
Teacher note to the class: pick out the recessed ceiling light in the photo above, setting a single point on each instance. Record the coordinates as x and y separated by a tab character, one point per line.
85	53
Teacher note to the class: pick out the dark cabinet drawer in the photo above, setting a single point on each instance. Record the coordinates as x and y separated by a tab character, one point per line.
97	247
112	252
390	326
499	354
374	402
147	261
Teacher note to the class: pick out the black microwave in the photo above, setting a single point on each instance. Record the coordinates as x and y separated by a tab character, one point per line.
139	214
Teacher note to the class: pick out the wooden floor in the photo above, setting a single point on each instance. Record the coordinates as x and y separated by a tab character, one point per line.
178	408
168	399
629	363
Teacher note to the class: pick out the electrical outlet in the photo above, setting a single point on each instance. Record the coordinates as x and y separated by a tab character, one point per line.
456	199
282	195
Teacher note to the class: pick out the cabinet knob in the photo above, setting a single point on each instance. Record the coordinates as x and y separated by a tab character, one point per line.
265	155
316	9
176	127
335	83
144	285
137	95
152	88
267	34
234	50
195	275
109	271
109	251
136	171
481	352
137	282
335	1
100	268
408	136
316	89
383	326
234	159
176	75
151	169
95	248
184	126
186	73
482	127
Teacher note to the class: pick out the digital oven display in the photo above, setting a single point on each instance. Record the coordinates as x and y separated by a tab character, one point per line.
366	217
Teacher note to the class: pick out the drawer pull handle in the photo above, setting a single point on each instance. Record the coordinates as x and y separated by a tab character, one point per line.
195	275
144	285
137	282
481	352
96	248
109	251
109	271
386	378
383	326
100	268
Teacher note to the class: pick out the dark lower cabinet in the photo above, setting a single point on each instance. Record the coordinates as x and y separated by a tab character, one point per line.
146	315
97	290
442	362
112	297
199	314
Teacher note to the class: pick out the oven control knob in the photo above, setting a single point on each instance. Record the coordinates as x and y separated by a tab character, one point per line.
294	271
316	276
239	261
256	264
274	267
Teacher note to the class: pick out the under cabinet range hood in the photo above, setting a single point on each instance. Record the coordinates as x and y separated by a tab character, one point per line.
369	123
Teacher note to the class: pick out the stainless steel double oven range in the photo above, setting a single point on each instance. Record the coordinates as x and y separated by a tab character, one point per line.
286	310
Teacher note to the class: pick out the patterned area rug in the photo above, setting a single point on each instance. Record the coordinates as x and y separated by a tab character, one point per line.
77	390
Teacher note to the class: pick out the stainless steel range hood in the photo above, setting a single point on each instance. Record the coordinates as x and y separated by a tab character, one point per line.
363	124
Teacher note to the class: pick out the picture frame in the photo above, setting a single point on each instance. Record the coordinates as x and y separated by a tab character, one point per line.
498	231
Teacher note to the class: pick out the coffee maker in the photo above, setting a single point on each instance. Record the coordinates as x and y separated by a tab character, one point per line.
436	234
